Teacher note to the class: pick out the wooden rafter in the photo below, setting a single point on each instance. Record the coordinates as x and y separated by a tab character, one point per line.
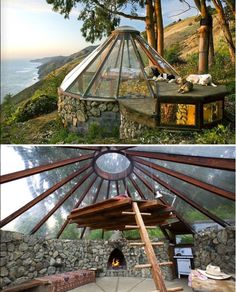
209	162
38	169
117	188
150	187
137	187
185	198
126	188
188	179
77	205
60	202
93	202
91	148
43	196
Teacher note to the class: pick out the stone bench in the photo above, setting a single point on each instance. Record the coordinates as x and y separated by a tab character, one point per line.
56	283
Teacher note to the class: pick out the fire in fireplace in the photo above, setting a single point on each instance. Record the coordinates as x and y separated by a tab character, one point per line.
116	260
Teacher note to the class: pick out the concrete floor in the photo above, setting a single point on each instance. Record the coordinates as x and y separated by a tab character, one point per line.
129	284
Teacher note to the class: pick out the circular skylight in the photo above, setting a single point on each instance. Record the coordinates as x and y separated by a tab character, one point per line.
113	165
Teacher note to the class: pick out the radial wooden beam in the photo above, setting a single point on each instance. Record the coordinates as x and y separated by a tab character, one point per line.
42	196
91	148
126	188
77	205
28	172
93	202
149	186
60	202
185	198
188	179
137	187
209	162
117	188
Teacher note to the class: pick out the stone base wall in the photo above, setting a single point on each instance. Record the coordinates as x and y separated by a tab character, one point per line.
216	247
130	129
26	257
79	114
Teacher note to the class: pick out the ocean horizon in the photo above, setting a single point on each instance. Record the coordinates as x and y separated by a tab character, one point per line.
17	74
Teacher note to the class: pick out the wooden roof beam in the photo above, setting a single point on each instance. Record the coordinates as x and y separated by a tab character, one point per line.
42	196
60	202
209	162
77	205
188	179
38	169
149	186
137	187
186	199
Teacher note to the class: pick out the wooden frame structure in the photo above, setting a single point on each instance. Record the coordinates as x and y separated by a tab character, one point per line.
133	182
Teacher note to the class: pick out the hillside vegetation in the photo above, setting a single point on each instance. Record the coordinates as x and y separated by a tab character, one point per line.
31	116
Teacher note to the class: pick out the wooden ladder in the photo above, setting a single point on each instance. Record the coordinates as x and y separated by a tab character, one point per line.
148	246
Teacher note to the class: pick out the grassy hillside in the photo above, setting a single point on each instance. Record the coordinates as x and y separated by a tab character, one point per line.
31	117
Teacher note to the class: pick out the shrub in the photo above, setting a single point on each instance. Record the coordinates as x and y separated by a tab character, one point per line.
216	135
172	55
35	107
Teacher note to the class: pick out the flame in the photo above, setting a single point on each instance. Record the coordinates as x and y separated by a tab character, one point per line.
115	263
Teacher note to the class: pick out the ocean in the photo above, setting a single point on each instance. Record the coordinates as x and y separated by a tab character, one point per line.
16	75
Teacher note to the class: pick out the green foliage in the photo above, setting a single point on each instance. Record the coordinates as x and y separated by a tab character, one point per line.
131	234
185	239
218	135
35	107
172	54
134	234
161	136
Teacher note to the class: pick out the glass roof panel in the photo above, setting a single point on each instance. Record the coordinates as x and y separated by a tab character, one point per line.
106	82
222	207
70	77
113	162
160	62
133	83
221	178
206	151
30	187
81	84
16	158
103	191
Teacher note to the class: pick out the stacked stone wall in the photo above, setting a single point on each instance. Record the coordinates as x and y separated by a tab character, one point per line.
216	247
80	114
26	257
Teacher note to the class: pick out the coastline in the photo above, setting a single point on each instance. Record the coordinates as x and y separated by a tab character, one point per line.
18	74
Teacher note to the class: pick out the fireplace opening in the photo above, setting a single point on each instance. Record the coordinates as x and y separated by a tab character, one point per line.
116	260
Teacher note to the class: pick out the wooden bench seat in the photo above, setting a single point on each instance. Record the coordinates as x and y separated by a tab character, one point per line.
55	283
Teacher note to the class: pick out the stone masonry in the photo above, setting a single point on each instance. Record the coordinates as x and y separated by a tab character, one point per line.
26	257
216	247
79	114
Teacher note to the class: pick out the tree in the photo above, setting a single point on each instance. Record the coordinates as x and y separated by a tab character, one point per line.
205	37
159	27
101	17
225	28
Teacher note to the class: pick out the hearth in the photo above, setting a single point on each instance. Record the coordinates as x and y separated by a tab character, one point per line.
116	260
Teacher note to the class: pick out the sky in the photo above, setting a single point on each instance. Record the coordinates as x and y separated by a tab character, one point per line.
30	29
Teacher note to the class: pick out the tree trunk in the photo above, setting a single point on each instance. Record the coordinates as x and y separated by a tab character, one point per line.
150	24
204	34
225	28
159	27
203	49
211	43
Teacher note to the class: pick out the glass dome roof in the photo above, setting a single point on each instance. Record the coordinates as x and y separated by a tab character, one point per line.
116	68
45	183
